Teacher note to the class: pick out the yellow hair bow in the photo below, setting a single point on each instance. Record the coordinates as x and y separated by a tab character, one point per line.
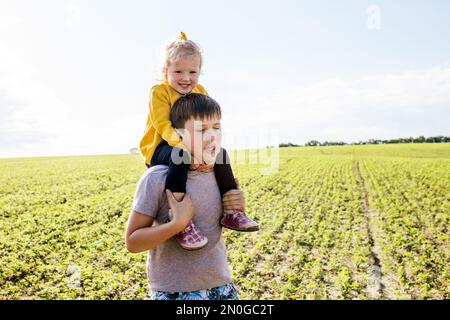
183	36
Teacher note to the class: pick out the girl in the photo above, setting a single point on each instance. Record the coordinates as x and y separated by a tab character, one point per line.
161	144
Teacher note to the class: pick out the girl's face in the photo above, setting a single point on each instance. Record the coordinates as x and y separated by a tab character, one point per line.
183	74
203	138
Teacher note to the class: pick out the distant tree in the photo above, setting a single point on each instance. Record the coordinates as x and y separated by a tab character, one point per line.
289	144
333	143
312	143
134	151
421	139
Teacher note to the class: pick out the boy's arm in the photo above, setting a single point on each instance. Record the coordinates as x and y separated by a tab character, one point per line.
160	117
141	236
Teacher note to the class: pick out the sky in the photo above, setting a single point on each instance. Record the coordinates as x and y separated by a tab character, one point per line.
75	76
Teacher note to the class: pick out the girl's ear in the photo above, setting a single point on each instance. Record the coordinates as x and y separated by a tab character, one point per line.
164	72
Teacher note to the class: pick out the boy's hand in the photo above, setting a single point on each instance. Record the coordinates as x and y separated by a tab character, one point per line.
234	199
182	211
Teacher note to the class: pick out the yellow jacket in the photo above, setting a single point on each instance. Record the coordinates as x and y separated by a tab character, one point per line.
159	127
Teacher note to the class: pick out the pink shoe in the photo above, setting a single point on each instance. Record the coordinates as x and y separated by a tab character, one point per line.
238	221
191	238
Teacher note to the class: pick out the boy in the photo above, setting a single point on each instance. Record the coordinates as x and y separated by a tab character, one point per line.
175	273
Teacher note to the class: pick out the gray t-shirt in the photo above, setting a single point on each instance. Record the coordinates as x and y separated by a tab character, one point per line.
170	267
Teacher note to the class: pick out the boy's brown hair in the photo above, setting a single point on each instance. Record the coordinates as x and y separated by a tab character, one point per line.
193	105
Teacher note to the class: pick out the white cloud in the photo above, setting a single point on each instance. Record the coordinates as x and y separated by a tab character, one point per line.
73	21
31	113
104	136
6	21
35	121
382	106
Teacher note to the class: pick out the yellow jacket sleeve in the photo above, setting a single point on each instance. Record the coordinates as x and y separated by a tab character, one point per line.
202	90
160	117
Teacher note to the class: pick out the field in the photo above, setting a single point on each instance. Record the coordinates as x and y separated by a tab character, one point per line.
348	222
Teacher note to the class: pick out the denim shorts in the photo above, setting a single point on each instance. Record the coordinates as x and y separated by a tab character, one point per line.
225	292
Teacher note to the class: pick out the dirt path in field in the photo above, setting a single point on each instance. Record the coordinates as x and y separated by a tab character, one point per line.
375	282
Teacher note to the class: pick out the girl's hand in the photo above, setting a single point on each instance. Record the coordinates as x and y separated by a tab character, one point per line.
182	212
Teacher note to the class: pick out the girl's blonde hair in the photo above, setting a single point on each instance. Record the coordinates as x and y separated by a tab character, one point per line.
180	48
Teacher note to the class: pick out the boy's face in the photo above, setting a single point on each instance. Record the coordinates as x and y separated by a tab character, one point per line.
183	74
203	138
